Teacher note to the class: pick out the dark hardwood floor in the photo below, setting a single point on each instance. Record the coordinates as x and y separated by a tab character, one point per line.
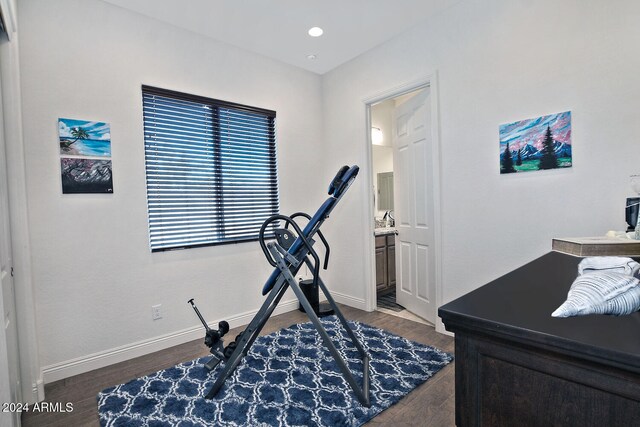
431	404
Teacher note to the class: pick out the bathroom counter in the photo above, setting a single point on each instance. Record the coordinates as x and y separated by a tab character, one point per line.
382	231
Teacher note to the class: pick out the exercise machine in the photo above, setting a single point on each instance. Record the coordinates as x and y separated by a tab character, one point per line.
288	250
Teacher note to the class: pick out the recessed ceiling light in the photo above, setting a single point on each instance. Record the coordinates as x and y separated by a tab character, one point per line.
315	32
312	56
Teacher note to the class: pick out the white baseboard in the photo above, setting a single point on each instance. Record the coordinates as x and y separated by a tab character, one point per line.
349	300
441	329
101	359
38	389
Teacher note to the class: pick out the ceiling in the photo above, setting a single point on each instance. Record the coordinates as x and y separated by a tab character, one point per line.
278	28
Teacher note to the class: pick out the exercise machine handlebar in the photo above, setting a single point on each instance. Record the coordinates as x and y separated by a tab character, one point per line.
325	265
204	323
212	337
301	236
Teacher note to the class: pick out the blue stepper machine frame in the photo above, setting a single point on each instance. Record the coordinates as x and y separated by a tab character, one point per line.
288	253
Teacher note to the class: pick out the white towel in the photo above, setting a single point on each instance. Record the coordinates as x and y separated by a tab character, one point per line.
615	264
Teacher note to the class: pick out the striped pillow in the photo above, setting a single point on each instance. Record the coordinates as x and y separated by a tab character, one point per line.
603	292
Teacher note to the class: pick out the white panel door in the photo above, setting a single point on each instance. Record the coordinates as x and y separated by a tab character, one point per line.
413	193
9	362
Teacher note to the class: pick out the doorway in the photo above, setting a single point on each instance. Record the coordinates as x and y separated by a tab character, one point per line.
9	355
405	187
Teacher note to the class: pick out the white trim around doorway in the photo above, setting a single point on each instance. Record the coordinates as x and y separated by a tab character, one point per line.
428	80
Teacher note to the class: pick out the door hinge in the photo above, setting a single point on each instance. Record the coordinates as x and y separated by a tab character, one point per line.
11	271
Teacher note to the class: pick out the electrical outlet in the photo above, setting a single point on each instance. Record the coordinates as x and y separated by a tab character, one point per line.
156	311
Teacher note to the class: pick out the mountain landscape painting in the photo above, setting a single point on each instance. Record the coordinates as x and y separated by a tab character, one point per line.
536	144
86	175
84	138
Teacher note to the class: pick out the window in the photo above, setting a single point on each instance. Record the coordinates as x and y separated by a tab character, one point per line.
211	169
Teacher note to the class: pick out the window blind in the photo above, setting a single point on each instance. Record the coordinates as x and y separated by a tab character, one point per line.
211	169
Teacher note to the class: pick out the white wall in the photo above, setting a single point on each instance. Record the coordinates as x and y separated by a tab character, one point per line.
95	277
381	161
6	385
32	387
499	61
381	155
381	118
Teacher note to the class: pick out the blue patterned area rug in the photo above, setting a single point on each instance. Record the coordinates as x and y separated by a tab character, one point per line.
288	379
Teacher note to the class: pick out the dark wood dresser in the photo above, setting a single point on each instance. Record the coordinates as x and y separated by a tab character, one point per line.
518	366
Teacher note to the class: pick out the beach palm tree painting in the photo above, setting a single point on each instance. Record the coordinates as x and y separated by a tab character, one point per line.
536	144
84	138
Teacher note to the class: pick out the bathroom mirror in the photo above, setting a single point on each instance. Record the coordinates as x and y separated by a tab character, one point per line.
385	191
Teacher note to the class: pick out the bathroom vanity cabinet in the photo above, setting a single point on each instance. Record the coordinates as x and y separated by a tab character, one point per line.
385	261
